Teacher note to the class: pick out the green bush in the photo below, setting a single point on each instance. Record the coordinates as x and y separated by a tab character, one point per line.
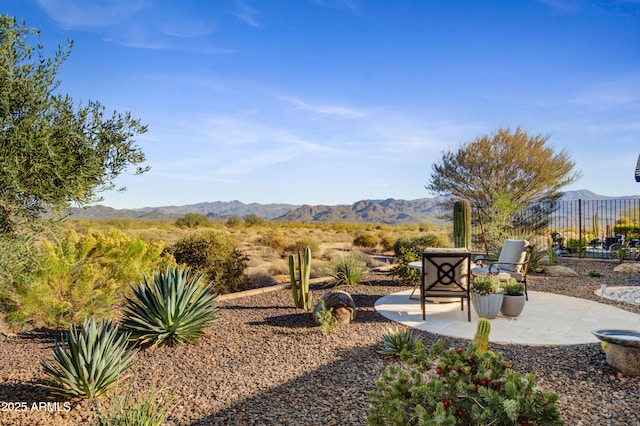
387	242
419	243
303	242
170	308
83	277
348	270
466	388
574	245
253	220
128	411
213	254
193	220
408	276
365	240
91	362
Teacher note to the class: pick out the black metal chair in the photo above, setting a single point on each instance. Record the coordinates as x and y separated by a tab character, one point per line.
446	273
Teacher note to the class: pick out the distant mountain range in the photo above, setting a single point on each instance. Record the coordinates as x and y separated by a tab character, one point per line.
389	211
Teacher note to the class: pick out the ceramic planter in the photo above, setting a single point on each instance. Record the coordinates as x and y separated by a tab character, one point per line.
512	306
487	306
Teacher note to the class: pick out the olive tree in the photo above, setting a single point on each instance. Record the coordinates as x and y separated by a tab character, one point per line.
53	152
503	173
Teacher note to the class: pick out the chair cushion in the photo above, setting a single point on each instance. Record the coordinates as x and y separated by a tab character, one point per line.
513	251
502	276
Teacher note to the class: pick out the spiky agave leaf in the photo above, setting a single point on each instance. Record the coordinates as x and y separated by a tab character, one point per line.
170	308
395	340
90	362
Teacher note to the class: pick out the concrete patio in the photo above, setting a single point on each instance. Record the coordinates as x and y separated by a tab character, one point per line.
547	319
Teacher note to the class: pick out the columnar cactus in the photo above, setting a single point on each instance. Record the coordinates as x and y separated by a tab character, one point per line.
300	283
596	225
481	339
462	224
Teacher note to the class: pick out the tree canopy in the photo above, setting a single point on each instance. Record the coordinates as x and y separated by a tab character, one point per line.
52	151
511	164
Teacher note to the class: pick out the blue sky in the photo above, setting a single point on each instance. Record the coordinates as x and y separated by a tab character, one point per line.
334	101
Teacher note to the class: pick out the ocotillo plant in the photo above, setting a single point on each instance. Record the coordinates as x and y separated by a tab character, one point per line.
481	339
300	283
462	224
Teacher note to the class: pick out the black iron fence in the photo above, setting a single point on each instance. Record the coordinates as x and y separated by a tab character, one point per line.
583	228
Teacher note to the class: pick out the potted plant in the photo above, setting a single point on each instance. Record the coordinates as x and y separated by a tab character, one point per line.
514	299
486	296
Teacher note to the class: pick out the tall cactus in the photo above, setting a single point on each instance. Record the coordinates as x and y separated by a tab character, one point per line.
300	283
481	339
596	225
462	224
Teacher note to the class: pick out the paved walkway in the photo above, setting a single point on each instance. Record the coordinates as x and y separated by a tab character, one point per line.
547	319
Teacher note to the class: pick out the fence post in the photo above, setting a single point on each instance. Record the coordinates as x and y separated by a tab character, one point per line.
580	227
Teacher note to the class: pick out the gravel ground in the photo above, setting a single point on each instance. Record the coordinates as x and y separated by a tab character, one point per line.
264	362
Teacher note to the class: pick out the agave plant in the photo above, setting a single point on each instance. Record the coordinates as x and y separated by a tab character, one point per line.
90	362
172	307
395	340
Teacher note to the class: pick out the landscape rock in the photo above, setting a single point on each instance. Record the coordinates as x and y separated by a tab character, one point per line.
344	308
559	271
625	359
629	268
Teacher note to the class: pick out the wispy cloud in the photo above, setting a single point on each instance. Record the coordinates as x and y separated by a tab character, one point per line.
246	14
91	14
612	94
350	5
324	110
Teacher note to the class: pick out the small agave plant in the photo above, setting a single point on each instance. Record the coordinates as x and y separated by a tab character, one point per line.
90	362
395	340
170	308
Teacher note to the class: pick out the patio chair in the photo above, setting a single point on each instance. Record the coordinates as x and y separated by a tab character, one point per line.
445	273
513	262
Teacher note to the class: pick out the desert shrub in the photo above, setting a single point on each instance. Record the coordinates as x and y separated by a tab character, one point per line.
387	241
574	245
365	240
172	307
348	270
234	221
19	258
193	220
418	243
214	255
407	275
81	277
303	242
253	220
90	362
465	388
275	241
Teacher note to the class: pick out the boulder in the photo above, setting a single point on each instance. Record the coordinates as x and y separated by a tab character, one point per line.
559	271
628	268
344	309
625	359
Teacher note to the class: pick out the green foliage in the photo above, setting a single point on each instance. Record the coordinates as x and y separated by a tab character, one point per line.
81	277
408	276
193	220
486	284
417	243
513	288
52	152
387	242
325	318
300	282
465	388
397	340
505	162
128	411
574	245
234	222
551	253
171	308
365	240
214	255
594	273
303	242
91	362
630	231
348	270
254	220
